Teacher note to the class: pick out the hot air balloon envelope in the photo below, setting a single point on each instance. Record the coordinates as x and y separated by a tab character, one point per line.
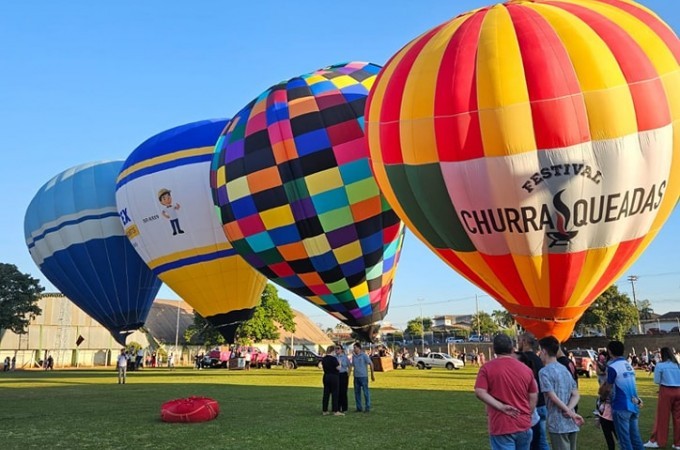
293	184
75	237
164	199
534	147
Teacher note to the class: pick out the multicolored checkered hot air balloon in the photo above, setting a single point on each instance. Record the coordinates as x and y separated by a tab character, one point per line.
294	189
165	204
534	146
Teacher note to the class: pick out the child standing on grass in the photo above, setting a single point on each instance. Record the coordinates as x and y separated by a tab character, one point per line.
561	397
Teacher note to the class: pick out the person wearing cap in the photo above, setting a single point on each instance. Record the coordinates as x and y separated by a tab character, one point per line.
170	210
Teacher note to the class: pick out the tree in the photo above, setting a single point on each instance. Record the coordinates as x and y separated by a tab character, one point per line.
201	331
612	312
503	318
414	327
133	347
19	293
271	311
646	310
484	323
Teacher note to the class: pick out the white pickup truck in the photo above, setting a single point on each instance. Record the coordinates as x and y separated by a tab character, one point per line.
436	359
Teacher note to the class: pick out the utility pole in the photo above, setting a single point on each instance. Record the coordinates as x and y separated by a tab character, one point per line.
422	328
633	279
479	322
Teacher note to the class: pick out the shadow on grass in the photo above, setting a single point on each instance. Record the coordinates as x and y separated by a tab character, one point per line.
86	409
259	409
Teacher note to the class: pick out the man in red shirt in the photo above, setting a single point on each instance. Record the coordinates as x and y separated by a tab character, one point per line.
510	392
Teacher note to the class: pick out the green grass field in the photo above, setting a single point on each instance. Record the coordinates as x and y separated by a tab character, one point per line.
274	408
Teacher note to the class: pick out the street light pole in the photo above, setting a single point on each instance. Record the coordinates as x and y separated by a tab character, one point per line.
633	279
179	302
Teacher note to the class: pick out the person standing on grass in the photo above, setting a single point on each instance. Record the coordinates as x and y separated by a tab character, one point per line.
625	401
527	346
510	392
343	360
122	366
361	362
667	376
248	359
561	397
139	358
605	419
331	382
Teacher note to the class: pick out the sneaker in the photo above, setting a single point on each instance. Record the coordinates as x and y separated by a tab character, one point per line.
676	447
358	410
325	413
651	444
338	413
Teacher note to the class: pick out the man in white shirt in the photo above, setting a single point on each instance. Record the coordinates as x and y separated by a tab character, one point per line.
122	366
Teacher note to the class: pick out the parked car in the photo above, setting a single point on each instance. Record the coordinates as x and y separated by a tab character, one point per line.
219	357
455	340
301	358
475	338
436	359
586	361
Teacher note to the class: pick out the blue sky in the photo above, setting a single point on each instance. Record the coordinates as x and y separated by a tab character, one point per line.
85	81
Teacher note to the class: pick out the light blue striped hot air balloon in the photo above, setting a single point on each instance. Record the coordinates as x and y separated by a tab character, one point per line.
75	236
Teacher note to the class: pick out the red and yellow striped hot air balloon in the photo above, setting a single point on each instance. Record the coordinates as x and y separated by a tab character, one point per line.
534	146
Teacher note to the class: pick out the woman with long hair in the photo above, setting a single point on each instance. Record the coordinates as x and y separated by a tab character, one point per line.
667	376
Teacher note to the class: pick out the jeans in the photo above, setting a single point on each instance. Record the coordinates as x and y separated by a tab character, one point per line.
627	430
514	441
361	383
539	441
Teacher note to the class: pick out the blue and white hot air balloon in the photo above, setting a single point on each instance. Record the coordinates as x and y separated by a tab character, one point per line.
75	236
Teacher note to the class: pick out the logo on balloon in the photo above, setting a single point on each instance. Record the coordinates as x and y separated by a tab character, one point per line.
124	217
562	236
560	221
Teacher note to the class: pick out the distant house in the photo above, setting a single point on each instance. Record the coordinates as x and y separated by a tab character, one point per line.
669	322
451	323
386	328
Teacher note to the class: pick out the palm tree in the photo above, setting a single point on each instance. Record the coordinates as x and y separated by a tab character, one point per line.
503	318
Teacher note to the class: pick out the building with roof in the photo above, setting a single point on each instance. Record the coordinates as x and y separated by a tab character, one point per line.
664	323
74	339
451	323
